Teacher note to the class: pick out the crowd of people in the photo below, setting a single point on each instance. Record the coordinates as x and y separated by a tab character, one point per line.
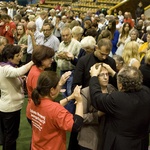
101	65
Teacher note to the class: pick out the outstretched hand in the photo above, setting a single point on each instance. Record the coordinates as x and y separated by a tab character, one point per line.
64	78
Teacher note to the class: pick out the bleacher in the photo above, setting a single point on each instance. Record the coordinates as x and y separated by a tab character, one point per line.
82	5
53	3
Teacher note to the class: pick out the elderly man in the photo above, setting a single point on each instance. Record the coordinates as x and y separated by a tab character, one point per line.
63	61
127	111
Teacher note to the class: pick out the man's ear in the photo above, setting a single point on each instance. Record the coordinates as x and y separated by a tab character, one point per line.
120	87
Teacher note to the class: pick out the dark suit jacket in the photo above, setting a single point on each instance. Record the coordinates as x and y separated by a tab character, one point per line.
127	117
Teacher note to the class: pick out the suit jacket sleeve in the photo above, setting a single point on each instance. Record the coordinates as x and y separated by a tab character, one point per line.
101	101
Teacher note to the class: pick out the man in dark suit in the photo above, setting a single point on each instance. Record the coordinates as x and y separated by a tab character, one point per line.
127	110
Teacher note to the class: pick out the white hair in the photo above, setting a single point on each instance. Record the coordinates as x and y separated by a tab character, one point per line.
88	41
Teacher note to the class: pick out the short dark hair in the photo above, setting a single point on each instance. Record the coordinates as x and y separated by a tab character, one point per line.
46	81
9	51
105	42
40	53
131	78
118	58
49	24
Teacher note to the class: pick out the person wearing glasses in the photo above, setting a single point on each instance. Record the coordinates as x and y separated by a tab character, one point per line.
51	41
94	121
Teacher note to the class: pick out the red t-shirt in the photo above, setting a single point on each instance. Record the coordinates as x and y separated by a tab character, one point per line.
31	84
50	121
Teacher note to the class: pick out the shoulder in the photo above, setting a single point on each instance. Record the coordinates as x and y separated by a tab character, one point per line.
75	41
111	88
85	91
34	71
110	60
86	58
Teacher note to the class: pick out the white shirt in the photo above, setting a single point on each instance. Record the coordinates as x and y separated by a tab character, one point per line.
11	85
52	42
39	38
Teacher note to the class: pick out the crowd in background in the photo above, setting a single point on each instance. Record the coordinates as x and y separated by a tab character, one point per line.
69	43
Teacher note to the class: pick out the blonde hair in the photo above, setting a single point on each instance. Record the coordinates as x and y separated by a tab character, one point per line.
130	51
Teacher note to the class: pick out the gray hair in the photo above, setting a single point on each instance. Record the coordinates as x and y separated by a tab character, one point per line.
88	41
131	79
77	30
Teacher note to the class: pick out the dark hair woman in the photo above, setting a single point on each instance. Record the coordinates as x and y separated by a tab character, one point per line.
49	119
12	94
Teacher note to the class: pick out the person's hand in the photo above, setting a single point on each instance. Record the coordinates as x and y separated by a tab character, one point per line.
29	32
95	70
64	78
69	55
61	55
23	46
110	70
77	94
7	28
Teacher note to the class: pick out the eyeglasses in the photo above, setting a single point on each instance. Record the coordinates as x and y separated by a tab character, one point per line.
46	30
103	75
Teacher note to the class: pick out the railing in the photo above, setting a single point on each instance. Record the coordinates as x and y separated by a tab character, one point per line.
146	8
116	6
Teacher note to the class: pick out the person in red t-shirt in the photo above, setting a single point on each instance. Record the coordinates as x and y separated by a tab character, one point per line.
50	120
9	28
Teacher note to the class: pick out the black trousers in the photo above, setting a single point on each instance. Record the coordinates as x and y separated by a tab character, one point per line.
10	129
